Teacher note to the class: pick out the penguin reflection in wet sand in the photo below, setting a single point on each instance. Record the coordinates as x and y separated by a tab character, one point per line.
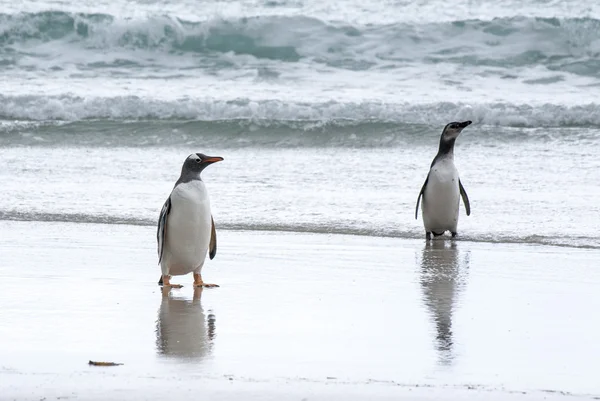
442	189
183	331
186	229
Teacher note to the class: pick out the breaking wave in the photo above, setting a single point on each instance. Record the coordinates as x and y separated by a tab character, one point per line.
272	112
568	44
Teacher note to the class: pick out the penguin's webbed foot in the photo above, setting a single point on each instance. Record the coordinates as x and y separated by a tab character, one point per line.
428	235
165	281
205	285
199	283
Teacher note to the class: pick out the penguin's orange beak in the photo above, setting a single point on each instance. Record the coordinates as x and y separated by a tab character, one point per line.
212	159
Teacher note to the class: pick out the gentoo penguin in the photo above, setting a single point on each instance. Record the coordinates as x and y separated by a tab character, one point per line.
442	188
186	229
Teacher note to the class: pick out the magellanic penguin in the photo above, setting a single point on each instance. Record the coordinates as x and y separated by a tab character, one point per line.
442	189
186	229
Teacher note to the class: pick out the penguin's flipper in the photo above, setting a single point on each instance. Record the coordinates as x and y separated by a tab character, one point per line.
421	194
162	227
213	240
465	197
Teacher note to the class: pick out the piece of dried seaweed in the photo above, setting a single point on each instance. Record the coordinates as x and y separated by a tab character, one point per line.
96	363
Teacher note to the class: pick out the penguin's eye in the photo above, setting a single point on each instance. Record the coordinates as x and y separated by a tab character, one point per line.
453	126
198	160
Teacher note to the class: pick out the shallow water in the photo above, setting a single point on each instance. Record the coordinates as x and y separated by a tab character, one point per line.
539	197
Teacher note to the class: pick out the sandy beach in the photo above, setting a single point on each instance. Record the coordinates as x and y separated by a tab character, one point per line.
297	316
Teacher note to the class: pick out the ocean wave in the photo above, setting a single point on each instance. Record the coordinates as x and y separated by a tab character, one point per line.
310	115
236	134
568	45
569	242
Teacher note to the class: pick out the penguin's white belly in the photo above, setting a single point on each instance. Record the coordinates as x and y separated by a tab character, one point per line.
188	228
441	198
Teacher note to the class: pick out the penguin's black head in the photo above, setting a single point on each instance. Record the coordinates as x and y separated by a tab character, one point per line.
196	162
453	129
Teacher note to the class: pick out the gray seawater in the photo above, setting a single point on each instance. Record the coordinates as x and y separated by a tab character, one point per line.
327	115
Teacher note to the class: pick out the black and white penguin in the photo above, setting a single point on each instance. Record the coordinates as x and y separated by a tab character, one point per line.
186	230
442	189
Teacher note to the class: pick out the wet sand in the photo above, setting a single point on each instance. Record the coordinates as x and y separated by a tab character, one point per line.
297	316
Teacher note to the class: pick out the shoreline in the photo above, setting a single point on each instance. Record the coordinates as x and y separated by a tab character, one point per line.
275	229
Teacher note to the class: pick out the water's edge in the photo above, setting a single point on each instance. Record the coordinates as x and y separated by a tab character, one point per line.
300	228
